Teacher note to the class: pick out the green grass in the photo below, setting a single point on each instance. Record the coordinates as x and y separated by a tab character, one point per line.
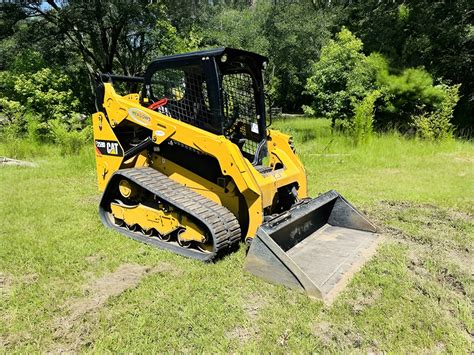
389	167
414	295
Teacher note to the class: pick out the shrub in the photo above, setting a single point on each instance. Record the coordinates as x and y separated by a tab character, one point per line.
46	93
342	76
11	119
70	141
404	96
344	82
362	127
34	100
437	125
308	111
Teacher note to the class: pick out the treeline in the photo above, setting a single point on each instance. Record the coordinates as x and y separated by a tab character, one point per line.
402	64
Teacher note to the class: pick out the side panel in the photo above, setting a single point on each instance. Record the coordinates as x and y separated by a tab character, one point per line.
108	151
281	151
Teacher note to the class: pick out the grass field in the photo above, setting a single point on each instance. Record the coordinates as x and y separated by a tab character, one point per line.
69	284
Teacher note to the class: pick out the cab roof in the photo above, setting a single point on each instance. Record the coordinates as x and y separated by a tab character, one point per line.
215	52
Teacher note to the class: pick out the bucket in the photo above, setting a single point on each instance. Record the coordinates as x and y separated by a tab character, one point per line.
316	246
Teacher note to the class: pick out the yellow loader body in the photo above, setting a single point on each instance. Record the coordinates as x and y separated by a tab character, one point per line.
257	189
195	170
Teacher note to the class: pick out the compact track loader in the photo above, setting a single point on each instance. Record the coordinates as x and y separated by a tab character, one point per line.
187	163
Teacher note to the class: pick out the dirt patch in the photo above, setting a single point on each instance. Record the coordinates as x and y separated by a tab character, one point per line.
5	283
283	338
457	157
327	333
29	279
438	240
391	207
3	342
4	161
391	171
94	259
90	200
12	338
113	284
323	332
465	261
445	277
241	334
464	159
425	224
416	262
365	300
253	305
70	332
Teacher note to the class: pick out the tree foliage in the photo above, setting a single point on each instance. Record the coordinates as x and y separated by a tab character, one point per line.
347	84
341	77
414	53
438	36
110	34
36	100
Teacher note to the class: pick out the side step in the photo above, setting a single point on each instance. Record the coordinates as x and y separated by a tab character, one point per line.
316	246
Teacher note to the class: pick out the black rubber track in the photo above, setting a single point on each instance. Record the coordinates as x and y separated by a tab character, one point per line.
219	221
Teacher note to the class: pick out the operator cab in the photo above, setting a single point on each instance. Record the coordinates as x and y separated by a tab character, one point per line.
219	90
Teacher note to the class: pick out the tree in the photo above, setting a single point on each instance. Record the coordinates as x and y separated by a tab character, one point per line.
79	38
347	85
296	31
341	77
111	34
435	35
288	32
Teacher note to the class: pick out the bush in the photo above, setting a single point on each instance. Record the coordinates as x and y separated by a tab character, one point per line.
70	137
362	127
344	82
342	76
406	95
34	99
308	111
12	113
70	141
46	93
437	124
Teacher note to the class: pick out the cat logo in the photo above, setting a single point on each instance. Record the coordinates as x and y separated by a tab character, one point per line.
112	148
108	148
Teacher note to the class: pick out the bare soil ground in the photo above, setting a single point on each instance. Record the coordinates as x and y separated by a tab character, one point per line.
71	331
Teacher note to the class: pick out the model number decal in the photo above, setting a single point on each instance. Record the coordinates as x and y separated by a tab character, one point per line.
109	148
